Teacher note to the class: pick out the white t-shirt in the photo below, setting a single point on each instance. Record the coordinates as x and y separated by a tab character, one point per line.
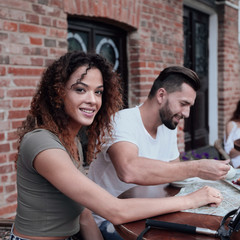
128	126
229	144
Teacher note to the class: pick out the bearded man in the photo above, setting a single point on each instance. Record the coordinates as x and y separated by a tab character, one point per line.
143	149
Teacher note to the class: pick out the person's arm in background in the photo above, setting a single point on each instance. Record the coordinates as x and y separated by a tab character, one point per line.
131	168
233	152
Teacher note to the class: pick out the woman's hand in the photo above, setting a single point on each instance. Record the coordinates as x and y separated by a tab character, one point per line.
205	196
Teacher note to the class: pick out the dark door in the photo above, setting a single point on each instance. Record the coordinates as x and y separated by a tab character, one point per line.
196	129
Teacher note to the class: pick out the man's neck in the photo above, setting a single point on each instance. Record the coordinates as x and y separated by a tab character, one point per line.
150	117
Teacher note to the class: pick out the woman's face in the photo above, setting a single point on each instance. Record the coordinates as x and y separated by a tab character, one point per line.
83	99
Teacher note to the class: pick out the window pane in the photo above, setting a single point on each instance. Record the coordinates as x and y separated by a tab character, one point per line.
77	41
107	48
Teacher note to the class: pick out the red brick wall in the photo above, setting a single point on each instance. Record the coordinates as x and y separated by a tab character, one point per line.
228	63
33	33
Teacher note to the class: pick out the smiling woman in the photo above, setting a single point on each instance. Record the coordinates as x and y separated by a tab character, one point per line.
72	94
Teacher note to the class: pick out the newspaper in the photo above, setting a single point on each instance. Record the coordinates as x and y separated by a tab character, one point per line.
230	193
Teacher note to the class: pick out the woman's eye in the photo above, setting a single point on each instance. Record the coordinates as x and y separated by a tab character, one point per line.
80	90
99	92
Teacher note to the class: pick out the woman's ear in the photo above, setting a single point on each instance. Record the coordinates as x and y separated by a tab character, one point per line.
161	95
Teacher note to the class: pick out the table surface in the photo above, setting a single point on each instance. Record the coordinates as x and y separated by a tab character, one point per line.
130	231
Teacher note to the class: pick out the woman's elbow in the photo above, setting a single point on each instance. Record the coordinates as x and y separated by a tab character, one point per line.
117	214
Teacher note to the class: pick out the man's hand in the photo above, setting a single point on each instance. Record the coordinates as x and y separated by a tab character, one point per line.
213	169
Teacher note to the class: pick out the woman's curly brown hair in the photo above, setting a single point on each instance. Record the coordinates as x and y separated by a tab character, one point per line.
47	107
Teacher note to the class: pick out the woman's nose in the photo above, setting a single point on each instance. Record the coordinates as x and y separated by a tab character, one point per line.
91	98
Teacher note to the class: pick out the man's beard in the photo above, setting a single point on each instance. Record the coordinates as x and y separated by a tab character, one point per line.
166	116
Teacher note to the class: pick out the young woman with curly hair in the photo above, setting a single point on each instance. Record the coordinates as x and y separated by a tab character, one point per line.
54	195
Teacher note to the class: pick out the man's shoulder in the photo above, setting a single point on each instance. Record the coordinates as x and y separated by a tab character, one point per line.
127	112
127	120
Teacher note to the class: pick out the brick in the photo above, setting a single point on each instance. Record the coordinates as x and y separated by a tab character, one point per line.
32	18
19	39
12	156
4	147
15	114
2	136
35	40
57	4
48	62
62	24
39	9
34	51
57	33
4	126
3	158
21	92
46	21
57	52
2	71
21	103
4	178
54	12
3	36
10	188
37	62
27	82
5	104
50	43
19	60
27	28
12	198
16	124
43	2
4	59
8	209
10	26
25	71
12	136
63	44
13	49
6	168
2	93
14	177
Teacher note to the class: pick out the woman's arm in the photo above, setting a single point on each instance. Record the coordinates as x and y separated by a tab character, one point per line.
56	166
233	152
229	127
88	227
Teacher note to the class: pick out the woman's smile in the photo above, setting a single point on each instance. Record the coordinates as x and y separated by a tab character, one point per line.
88	112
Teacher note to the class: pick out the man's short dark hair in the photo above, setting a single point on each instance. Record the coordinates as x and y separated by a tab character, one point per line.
172	78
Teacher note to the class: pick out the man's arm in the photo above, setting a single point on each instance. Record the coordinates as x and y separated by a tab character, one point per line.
131	168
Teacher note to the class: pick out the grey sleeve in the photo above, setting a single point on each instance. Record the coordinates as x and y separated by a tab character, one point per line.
35	142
